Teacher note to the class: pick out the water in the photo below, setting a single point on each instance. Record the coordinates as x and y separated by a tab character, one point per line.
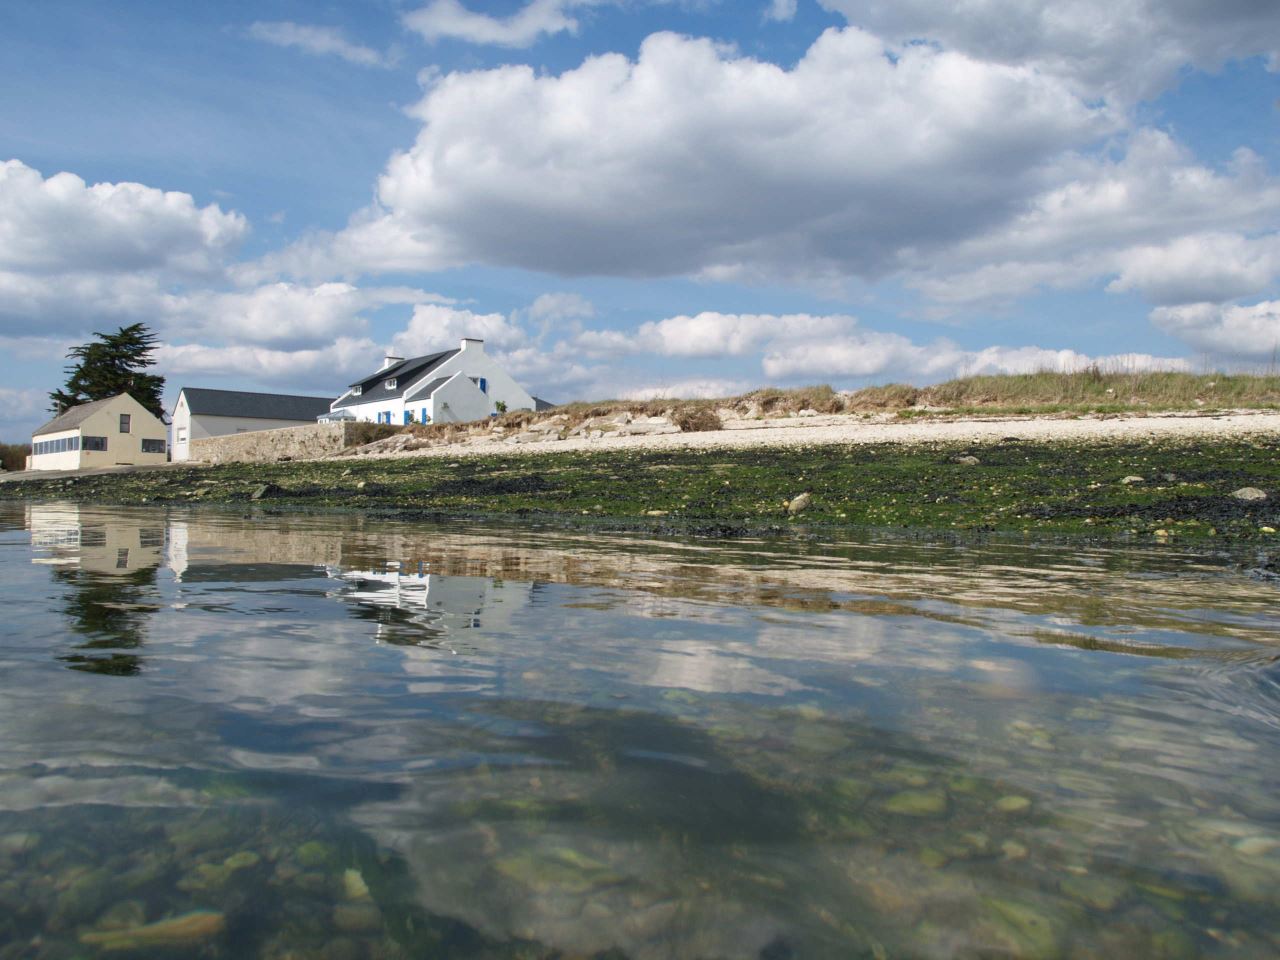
268	736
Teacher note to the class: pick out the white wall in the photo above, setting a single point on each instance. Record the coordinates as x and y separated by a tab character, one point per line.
67	460
459	401
200	426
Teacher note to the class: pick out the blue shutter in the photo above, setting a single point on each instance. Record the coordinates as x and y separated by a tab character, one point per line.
484	385
408	416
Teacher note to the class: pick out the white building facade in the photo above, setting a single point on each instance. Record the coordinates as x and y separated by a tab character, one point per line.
200	413
117	431
453	386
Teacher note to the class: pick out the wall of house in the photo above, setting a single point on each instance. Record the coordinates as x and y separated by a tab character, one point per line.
201	426
459	401
311	442
66	460
474	362
122	448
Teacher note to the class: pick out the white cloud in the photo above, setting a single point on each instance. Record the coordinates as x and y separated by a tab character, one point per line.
323	41
694	160
435	327
780	10
713	334
64	225
691	389
442	19
1124	217
1238	332
324	370
1121	48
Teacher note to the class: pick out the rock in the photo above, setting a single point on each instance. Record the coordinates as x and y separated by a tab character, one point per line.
1257	846
1130	480
362	917
353	886
799	504
264	490
241	860
917	803
969	461
1098	892
1013	804
125	915
807	412
527	437
1249	494
184	931
315	853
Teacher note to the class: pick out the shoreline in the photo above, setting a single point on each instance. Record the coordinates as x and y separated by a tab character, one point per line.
1005	476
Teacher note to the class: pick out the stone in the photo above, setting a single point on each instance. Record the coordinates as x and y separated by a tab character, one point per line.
187	930
1249	494
363	917
315	853
241	860
124	915
969	461
353	886
799	504
264	490
1013	804
807	412
917	803
1130	480
1098	892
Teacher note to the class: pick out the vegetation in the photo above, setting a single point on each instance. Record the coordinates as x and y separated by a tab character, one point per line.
1022	487
13	456
110	364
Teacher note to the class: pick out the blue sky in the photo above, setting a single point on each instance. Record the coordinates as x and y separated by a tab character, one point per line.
639	197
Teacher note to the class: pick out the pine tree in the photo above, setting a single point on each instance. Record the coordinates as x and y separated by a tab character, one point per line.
112	363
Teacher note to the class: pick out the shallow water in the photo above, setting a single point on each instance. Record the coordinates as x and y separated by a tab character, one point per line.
268	736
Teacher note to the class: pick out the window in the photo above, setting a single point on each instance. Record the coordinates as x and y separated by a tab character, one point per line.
153	446
391	384
484	385
124	423
182	434
357	390
95	443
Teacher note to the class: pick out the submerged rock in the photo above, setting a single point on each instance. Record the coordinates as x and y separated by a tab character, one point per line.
187	930
1013	804
362	917
917	803
799	504
353	885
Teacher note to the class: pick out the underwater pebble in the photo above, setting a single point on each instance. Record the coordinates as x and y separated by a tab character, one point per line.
353	885
1012	804
357	917
917	803
1256	846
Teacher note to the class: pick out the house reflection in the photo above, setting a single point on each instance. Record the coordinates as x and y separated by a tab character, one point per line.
413	607
108	563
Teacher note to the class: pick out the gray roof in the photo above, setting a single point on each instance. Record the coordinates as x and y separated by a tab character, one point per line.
539	405
432	387
254	406
406	373
73	417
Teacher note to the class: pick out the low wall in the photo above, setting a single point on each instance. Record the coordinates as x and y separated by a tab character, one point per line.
267	446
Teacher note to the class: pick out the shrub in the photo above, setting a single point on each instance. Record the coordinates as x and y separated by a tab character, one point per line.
697	419
13	456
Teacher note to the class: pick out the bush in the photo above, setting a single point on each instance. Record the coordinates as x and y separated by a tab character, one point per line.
13	456
697	419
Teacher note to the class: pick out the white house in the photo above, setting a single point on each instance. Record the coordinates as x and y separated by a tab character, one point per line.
117	431
201	413
449	387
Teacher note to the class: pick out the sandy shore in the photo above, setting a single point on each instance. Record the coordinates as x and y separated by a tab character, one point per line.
819	430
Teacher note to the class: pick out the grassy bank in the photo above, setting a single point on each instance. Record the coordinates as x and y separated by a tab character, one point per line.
1015	486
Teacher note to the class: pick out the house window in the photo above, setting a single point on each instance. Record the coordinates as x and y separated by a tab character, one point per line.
356	391
124	423
484	385
391	384
182	434
153	446
95	443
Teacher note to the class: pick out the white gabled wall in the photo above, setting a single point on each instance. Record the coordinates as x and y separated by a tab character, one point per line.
458	401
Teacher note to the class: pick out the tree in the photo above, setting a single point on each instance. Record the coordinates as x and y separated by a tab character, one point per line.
112	363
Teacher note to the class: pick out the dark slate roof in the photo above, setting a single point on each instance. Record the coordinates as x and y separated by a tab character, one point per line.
74	417
406	372
254	406
431	387
539	405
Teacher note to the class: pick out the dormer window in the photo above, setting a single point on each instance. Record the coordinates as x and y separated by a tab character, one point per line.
391	383
356	391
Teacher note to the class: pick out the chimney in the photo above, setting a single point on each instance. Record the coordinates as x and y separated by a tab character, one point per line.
389	361
470	343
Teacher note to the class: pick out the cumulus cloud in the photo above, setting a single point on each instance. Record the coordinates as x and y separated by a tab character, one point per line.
322	41
1241	332
449	19
325	369
61	224
691	389
436	327
693	160
1129	49
1139	217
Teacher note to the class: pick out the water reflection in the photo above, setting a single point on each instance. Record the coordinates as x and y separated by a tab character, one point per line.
475	742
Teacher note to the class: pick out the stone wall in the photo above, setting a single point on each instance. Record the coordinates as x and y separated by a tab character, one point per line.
267	446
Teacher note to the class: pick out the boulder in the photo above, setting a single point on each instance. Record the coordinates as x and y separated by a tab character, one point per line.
798	505
1129	481
1249	494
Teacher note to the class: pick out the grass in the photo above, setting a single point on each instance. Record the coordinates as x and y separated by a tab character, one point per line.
1015	487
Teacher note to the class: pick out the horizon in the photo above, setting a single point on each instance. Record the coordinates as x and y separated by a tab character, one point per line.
635	198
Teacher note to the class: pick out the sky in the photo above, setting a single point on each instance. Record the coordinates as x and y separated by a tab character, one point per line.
638	198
